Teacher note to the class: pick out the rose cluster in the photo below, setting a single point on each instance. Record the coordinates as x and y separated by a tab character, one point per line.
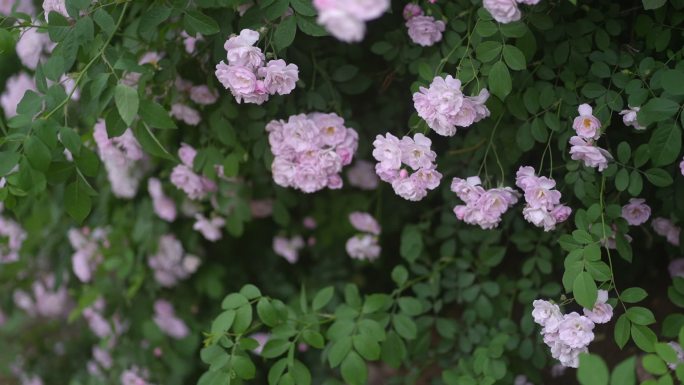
310	150
248	76
346	19
482	207
170	263
392	153
166	320
568	335
122	156
506	11
45	300
542	208
423	30
583	145
444	107
364	246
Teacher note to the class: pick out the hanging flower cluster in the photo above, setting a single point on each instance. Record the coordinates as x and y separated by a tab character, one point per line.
506	11
310	151
12	236
248	77
346	19
568	335
45	300
364	246
170	263
15	88
164	206
444	107
542	208
392	153
423	30
87	257
482	207
583	145
121	156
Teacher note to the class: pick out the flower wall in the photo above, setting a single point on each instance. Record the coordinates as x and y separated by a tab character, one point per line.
446	192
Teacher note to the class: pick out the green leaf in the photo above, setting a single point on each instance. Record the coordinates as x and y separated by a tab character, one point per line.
624	373
656	110
275	347
643	337
339	351
126	99
234	301
654	364
155	115
345	73
633	295
243	319
404	326
666	352
622	179
70	139
285	33
514	58
592	370
303	7
665	144
243	367
673	81
622	331
267	313
653	4
309	26
195	21
500	80
411	243
322	298
223	322
152	17
488	51
77	202
410	306
659	177
354	370
584	289
640	315
7	161
399	275
313	338
104	21
366	346
37	153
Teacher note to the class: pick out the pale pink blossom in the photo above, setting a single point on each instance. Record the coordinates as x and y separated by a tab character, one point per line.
586	125
58	6
121	156
416	151
482	207
44	299
681	166
664	227
364	222
602	312
363	247
591	155
15	88
8	6
87	255
279	77
33	46
240	50
676	268
135	376
411	10
196	187
362	175
288	248
425	30
209	228
190	42
203	95
636	212
170	263
503	11
164	207
166	320
345	19
576	331
12	237
261	339
629	118
186	114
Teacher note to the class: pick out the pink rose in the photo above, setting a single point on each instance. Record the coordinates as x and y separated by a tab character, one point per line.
586	125
636	212
424	30
503	11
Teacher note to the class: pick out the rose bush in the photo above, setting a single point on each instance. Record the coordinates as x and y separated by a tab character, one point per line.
237	191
